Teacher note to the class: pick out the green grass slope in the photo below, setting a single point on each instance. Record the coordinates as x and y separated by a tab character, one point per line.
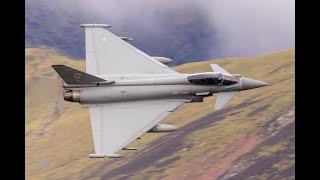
253	136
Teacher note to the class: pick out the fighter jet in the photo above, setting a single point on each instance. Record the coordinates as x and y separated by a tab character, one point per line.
129	93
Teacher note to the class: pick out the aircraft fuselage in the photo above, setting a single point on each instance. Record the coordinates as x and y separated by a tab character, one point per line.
140	87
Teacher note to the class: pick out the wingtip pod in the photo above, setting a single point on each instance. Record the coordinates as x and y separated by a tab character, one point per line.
104	156
95	25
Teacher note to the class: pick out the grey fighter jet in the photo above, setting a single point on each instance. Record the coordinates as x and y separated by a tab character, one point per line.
129	93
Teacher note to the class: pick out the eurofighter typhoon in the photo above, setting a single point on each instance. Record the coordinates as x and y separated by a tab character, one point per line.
129	93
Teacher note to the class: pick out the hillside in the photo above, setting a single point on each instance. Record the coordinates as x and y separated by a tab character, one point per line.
253	136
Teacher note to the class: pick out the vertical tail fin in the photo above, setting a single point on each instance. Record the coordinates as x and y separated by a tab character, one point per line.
73	76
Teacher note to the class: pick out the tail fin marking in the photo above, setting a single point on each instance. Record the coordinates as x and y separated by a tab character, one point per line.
74	76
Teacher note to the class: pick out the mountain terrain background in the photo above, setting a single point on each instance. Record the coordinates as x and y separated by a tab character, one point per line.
253	136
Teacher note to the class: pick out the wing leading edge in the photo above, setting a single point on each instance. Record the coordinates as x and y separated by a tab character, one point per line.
107	53
115	125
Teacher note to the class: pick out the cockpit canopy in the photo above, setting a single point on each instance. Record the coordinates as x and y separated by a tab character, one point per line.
212	79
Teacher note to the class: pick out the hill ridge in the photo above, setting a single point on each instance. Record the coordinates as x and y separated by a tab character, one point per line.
233	143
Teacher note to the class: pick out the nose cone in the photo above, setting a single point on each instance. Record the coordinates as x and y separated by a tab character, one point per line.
248	83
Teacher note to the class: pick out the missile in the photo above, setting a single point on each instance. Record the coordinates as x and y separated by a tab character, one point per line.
127	39
163	128
163	60
130	148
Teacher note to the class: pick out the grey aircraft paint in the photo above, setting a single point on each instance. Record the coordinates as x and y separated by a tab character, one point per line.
174	87
129	93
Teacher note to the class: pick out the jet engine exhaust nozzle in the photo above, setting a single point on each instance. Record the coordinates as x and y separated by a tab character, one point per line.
71	95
